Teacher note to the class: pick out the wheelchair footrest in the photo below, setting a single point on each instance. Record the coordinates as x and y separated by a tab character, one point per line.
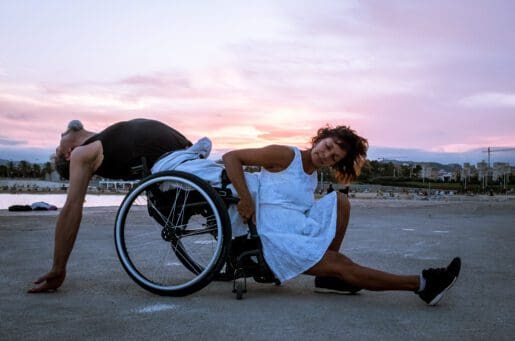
247	260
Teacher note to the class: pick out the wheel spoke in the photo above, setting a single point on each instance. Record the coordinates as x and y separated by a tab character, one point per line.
198	232
179	251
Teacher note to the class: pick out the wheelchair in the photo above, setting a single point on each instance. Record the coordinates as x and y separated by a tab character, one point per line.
173	237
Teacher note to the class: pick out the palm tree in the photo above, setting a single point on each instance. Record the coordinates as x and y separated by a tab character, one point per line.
36	170
25	168
4	173
11	170
48	168
417	170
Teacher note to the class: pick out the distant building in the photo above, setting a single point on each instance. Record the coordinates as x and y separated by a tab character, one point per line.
482	169
500	170
444	176
467	171
429	172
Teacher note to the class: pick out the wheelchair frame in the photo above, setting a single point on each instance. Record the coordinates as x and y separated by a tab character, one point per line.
182	211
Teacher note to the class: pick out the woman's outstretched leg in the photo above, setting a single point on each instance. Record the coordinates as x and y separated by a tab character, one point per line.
431	285
334	264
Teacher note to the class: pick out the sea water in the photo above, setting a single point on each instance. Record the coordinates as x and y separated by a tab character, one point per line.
58	199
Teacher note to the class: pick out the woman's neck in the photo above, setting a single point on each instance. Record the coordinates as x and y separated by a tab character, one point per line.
307	162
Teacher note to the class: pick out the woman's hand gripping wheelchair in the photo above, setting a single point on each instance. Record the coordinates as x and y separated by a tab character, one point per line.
173	237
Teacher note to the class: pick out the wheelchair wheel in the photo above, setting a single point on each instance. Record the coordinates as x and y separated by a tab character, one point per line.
172	233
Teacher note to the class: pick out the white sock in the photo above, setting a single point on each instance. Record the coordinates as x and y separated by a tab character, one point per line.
422	285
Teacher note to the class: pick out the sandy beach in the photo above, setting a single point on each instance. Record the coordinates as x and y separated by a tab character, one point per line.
99	301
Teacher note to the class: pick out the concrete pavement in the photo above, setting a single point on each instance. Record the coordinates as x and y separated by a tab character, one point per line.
99	301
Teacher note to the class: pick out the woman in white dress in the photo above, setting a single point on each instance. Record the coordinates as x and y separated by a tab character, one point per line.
304	236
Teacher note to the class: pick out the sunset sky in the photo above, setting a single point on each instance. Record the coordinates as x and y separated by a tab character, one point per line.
419	79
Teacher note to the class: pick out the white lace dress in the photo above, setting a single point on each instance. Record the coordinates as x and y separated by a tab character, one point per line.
295	230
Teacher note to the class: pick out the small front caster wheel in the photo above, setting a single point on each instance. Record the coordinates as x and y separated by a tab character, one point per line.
239	290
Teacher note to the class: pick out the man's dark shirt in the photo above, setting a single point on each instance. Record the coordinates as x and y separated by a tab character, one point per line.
126	143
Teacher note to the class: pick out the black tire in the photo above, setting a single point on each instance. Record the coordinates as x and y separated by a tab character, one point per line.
157	229
239	292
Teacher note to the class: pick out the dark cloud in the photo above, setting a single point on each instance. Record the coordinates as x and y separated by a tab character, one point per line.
418	155
13	153
11	142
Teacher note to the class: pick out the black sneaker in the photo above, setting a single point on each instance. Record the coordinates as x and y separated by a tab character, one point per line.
334	285
438	281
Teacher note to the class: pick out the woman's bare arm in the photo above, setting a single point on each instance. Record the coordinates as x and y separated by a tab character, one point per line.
273	158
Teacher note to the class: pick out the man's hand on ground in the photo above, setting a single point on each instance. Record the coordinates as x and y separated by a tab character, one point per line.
51	281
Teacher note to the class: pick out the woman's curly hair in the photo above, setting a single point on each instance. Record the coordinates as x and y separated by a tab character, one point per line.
349	167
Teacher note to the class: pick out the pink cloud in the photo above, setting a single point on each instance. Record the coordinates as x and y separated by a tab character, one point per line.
398	74
412	24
